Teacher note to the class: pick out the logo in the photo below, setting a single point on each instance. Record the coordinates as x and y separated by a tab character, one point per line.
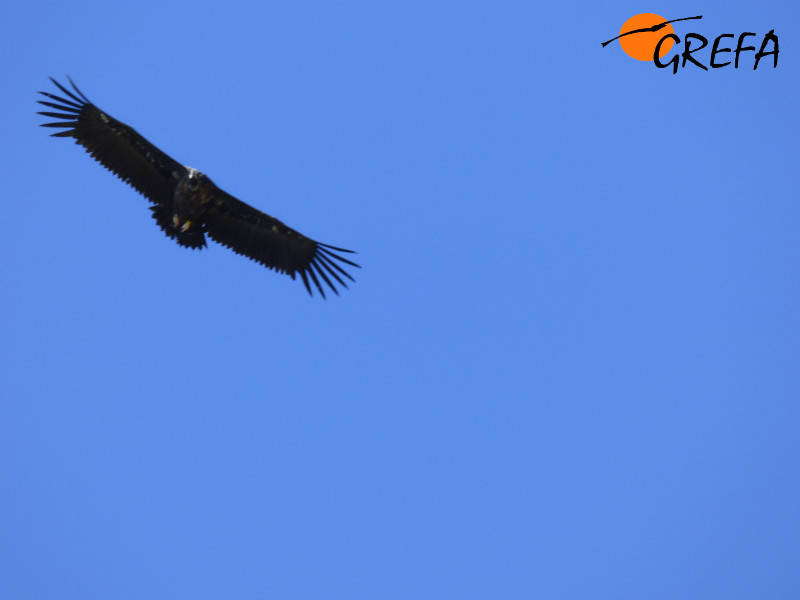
650	37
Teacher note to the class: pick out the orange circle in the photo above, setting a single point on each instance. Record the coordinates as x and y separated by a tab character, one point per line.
642	46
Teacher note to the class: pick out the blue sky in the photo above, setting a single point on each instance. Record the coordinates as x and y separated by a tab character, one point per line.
568	368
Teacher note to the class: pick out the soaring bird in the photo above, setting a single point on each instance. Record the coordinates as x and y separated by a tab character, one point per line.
186	204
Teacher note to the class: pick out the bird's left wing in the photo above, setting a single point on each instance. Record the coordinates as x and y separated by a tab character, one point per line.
266	240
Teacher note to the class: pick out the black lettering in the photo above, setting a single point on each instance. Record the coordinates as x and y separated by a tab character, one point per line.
687	51
657	54
715	51
740	48
770	37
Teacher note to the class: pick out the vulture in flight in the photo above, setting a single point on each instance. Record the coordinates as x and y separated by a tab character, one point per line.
186	204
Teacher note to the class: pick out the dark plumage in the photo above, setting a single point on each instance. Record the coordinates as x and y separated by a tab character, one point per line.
186	204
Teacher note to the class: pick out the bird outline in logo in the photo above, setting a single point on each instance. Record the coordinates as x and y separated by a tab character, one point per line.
649	29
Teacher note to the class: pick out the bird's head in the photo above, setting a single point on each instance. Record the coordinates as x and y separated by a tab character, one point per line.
193	179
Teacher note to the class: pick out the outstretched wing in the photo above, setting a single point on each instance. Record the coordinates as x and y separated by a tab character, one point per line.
266	240
121	150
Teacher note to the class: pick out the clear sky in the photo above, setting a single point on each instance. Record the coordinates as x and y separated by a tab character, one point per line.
568	367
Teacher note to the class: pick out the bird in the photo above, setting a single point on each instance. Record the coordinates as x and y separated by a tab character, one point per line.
186	204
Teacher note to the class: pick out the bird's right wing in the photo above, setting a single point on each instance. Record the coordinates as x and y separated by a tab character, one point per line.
117	147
